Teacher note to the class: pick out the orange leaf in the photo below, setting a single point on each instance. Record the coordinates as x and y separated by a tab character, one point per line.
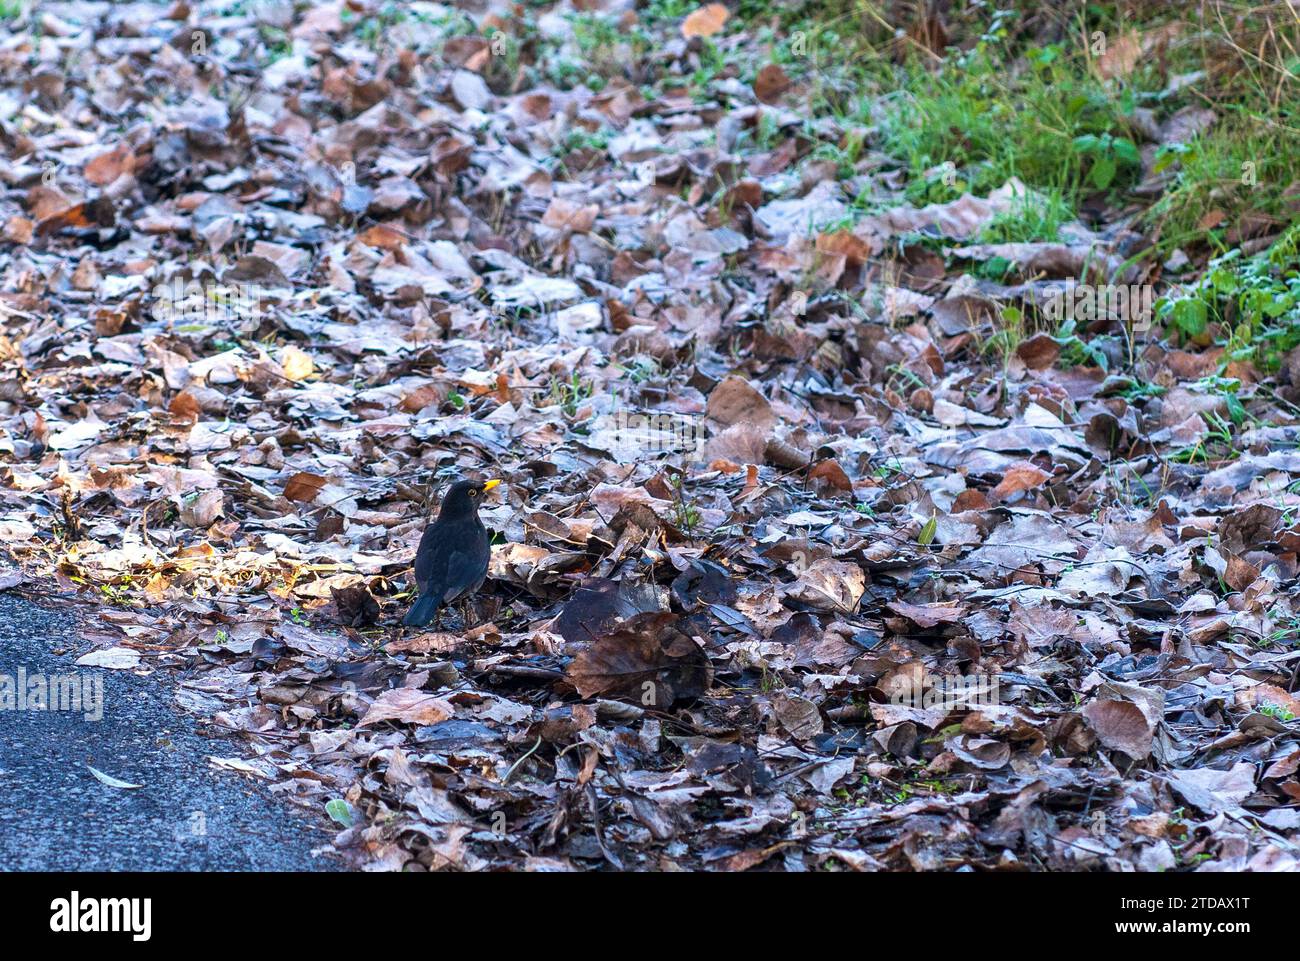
705	22
184	407
83	216
383	237
969	500
1021	476
830	472
855	250
422	397
107	167
304	487
1211	220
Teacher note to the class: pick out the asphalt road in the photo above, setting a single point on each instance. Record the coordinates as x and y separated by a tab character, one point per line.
55	815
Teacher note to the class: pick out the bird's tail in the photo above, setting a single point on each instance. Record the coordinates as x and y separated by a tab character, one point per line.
422	611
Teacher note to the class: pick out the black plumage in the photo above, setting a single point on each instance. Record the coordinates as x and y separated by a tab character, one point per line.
453	557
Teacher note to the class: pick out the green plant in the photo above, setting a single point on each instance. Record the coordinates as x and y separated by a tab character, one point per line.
580	138
1277	711
1004	341
1049	123
657	12
1076	352
340	812
1253	302
688	516
1218	437
568	394
276	43
1106	155
1287	633
641	369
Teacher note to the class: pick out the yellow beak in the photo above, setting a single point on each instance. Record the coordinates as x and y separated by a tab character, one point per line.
488	485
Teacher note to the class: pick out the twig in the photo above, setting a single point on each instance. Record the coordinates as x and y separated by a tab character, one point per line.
506	780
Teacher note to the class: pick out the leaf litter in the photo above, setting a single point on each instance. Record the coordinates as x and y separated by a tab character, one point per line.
770	515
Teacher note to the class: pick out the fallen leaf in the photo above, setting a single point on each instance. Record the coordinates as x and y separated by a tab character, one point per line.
705	21
112	781
408	706
646	659
114	658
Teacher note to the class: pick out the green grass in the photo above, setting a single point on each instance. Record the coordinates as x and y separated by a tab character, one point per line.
966	122
569	394
1030	218
659	12
1053	126
1244	162
1000	107
1241	165
1249	305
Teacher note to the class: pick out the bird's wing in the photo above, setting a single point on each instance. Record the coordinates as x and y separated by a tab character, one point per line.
426	560
448	570
460	576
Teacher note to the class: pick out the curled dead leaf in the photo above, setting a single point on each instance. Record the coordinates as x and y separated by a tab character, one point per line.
647	659
408	705
829	585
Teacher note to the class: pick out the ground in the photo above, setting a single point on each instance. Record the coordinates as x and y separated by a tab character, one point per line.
895	406
183	816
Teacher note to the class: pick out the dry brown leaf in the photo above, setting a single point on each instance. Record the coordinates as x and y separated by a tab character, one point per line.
106	167
383	237
646	659
706	21
408	705
829	585
735	401
771	83
304	486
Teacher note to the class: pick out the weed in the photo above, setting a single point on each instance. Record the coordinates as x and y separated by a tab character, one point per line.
1277	711
568	394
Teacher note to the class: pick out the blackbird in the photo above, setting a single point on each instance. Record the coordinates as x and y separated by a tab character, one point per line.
453	557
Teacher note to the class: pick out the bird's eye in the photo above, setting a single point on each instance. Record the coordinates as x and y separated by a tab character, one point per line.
473	492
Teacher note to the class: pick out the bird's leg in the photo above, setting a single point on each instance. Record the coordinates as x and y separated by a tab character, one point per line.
464	614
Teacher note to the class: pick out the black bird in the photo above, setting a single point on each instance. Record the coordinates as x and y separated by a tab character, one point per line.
453	557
